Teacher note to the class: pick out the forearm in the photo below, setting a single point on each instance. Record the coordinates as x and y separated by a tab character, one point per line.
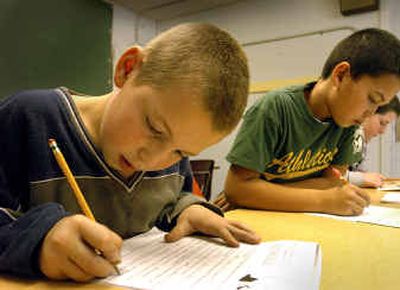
321	183
308	195
20	238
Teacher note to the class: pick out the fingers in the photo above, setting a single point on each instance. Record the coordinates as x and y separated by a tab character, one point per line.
348	200
222	202
90	262
353	209
179	231
357	209
358	200
226	234
364	195
243	233
68	250
103	239
74	272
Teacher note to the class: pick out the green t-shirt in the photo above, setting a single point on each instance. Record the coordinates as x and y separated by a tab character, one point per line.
281	139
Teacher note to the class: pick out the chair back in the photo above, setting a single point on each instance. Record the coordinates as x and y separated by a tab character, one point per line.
202	172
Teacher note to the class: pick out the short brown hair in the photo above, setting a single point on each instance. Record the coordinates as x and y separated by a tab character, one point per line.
204	59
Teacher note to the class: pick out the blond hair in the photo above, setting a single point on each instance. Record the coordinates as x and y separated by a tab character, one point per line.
207	61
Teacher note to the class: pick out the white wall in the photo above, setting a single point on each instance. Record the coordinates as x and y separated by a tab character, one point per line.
129	28
386	147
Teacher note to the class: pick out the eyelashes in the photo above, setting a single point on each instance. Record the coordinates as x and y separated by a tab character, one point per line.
154	131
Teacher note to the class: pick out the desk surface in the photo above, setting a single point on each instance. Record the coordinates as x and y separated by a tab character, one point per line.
355	256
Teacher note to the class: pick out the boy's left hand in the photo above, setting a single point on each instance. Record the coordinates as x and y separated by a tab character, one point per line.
197	218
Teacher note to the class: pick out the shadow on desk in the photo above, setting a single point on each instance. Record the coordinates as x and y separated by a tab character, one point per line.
9	282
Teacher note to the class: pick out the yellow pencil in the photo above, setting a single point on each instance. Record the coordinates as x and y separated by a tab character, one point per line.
338	175
62	163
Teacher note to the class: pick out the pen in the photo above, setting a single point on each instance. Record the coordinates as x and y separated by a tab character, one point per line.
339	175
62	163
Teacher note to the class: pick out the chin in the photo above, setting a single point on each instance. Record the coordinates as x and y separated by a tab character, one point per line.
343	124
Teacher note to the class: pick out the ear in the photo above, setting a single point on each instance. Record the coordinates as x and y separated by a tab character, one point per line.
129	62
339	72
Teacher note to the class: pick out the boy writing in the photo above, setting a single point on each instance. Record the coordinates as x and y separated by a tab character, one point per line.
291	138
127	149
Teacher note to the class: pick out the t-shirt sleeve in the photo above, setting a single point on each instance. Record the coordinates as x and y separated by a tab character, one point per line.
350	147
256	140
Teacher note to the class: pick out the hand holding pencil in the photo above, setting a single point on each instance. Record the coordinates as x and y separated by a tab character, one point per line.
337	174
77	247
346	199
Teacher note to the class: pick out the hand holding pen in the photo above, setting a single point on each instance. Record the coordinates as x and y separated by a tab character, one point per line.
346	199
337	174
77	247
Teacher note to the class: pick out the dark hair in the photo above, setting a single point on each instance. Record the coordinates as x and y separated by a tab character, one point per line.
369	51
392	106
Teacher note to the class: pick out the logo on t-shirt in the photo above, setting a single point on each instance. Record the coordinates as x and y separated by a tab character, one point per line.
358	141
300	164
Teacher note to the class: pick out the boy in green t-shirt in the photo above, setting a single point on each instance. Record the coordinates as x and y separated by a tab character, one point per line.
290	140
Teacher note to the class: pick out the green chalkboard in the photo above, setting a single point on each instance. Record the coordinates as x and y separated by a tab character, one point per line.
50	43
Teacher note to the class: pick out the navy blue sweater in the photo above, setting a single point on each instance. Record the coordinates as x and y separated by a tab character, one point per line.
34	194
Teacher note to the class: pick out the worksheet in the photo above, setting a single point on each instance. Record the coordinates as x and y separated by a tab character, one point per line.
391	197
195	263
390	185
379	215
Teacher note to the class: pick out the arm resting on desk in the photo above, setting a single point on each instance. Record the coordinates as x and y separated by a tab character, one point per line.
21	238
244	187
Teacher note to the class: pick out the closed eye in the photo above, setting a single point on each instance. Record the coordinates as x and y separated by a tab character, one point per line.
154	131
372	100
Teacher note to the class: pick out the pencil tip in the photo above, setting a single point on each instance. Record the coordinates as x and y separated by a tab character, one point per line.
51	140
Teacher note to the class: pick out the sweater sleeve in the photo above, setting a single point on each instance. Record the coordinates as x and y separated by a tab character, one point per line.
22	228
185	198
21	236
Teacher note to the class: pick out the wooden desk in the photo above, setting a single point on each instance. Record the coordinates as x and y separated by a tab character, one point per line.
355	256
12	283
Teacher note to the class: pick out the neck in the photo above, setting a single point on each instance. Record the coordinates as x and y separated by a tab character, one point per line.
317	100
91	110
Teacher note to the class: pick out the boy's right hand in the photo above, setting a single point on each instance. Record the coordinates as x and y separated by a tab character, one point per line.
346	200
68	250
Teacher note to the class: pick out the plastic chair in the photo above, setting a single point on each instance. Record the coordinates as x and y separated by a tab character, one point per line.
202	172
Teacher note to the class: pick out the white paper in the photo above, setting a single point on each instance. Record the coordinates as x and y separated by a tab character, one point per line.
391	198
379	215
198	263
390	186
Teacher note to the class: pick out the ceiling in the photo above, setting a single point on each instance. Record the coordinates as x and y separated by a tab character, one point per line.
165	9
